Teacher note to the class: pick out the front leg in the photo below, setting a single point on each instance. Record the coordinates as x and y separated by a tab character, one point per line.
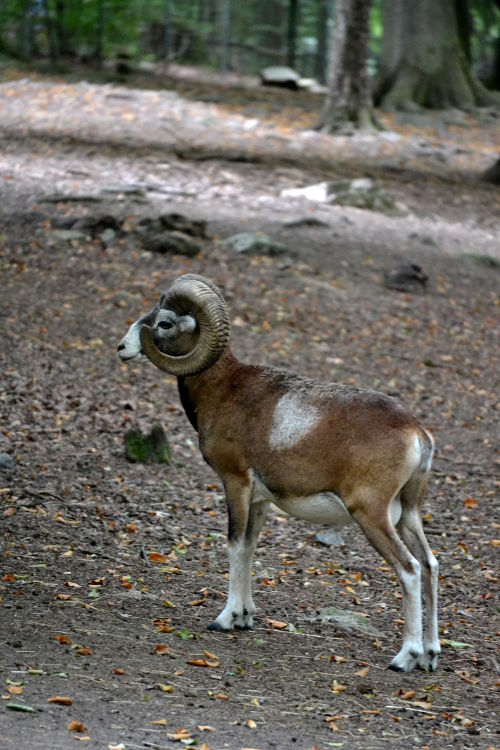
246	519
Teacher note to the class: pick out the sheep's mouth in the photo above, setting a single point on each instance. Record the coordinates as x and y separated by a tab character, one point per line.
131	357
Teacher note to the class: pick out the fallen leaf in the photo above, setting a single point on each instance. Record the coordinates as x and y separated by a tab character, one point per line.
118	670
162	625
362	672
470	502
179	734
21	707
15	689
251	724
406	696
61	700
64	597
63	639
206	728
72	585
162	649
161	722
336	687
76	726
157	557
276	624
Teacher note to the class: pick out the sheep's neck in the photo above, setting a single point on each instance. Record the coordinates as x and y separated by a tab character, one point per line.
193	390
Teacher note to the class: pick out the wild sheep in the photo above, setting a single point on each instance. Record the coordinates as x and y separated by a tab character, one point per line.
327	453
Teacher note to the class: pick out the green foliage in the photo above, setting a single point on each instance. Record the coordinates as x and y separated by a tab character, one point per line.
58	29
153	447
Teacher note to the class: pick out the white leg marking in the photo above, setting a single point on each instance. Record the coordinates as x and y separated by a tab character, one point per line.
412	649
240	609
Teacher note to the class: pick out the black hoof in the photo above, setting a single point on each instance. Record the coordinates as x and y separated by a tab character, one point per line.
218	628
395	668
243	627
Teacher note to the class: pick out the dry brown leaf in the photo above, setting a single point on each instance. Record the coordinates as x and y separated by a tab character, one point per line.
251	724
406	695
157	557
161	722
63	639
336	687
162	649
76	726
62	700
206	728
118	670
362	672
179	734
276	624
162	625
15	689
72	585
64	597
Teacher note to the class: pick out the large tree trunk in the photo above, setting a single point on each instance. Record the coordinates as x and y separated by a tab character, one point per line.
348	104
323	11
423	62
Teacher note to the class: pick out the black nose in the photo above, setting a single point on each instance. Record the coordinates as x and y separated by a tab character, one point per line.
120	347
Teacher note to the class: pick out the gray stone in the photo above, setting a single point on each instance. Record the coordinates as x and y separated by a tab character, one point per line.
280	75
346	620
7	463
171	242
330	538
255	243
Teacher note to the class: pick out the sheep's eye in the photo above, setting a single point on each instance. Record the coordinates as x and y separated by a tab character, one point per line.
165	324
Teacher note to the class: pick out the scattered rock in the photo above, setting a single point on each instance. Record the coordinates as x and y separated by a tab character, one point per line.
360	193
280	75
346	620
407	278
7	463
153	447
171	242
69	198
482	260
330	538
255	243
363	193
317	193
96	225
181	223
305	221
68	234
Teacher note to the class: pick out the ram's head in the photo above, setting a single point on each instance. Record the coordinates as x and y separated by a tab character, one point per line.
185	333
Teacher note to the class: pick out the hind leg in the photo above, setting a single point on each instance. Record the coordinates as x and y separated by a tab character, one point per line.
411	530
381	534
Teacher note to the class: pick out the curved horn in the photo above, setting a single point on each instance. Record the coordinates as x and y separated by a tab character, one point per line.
205	303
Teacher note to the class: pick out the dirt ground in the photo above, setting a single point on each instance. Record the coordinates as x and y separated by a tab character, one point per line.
110	570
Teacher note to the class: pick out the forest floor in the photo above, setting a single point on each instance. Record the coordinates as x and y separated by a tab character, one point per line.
111	570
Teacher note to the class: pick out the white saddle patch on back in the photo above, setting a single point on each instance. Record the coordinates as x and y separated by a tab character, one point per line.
292	420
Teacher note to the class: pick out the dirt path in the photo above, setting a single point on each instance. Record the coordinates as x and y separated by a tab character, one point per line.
111	571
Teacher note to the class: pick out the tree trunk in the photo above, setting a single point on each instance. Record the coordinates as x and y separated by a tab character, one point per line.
348	104
493	173
320	62
99	53
429	66
291	34
225	33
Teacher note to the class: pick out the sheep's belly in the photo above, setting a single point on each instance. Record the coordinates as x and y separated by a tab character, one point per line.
325	508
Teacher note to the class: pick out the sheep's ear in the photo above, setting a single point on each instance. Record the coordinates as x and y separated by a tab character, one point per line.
196	301
187	324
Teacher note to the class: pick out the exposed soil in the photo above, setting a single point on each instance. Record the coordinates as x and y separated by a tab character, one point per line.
95	549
